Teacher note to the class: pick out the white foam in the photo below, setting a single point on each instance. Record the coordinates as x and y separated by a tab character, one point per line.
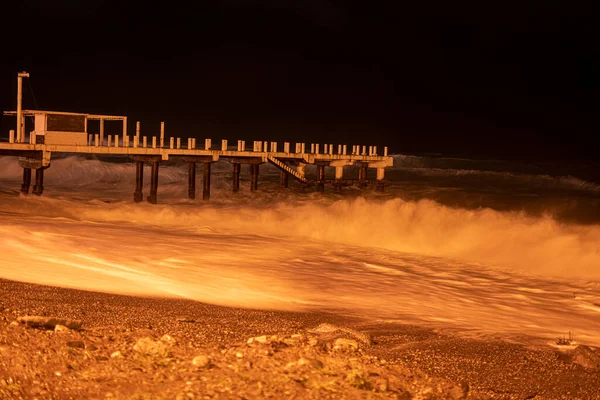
480	271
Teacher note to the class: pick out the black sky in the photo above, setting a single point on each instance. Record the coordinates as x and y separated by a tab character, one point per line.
491	80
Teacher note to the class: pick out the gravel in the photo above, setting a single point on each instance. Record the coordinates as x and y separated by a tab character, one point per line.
124	347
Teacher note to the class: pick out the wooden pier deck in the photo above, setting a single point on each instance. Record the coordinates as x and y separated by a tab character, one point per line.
37	156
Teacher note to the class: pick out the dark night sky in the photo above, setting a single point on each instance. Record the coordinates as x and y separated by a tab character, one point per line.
489	79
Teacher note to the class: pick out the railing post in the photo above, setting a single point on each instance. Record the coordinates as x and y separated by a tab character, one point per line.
162	135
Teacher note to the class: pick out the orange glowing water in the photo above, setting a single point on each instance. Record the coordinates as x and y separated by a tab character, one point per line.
400	256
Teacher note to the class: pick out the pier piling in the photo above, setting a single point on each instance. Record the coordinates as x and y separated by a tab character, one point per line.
38	188
254	177
380	186
153	198
191	180
321	178
26	181
283	179
362	175
206	182
138	196
236	177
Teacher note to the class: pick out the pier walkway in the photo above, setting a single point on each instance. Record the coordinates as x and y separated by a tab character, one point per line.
37	156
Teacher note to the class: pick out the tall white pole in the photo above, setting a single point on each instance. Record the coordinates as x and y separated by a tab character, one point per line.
20	132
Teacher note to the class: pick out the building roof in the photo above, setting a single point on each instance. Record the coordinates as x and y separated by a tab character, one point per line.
28	113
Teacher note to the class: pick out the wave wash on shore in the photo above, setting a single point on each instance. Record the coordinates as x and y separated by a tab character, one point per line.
373	256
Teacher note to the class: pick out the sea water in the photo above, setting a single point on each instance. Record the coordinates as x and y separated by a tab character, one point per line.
483	248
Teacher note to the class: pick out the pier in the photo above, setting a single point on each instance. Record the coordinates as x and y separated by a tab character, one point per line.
64	132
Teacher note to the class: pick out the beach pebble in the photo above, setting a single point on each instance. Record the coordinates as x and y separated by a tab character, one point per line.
345	344
185	318
167	339
149	347
313	363
76	344
74	324
586	357
34	321
201	361
259	339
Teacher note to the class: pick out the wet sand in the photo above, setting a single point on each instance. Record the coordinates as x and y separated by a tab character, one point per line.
389	358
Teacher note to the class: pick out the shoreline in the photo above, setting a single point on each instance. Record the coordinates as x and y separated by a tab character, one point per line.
298	355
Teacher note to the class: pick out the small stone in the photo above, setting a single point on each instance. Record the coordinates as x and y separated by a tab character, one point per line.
313	363
586	357
358	379
290	365
345	344
74	324
259	339
14	323
35	321
239	355
167	339
148	347
382	384
116	354
185	318
201	361
76	344
61	329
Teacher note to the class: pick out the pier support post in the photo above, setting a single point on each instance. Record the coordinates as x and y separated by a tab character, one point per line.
362	176
236	177
320	178
138	196
191	180
254	177
26	181
283	179
379	186
153	183
339	174
38	188
206	182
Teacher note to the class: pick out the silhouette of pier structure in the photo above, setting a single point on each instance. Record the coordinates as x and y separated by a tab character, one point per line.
63	132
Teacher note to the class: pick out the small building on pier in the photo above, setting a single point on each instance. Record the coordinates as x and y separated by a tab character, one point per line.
61	128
